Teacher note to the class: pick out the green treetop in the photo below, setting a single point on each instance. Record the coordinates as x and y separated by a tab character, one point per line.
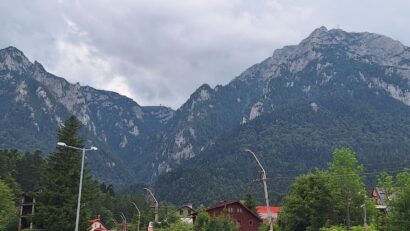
57	201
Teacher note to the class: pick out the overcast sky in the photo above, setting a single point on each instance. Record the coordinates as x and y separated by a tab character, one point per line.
160	51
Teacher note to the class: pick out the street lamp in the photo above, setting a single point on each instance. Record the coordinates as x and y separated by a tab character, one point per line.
124	220
265	187
139	216
156	205
92	148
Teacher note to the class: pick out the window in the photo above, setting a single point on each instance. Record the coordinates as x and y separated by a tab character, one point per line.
250	223
239	210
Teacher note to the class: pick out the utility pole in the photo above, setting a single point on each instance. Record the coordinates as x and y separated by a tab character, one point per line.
265	188
365	218
156	205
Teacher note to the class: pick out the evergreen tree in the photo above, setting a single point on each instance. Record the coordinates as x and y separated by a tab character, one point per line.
29	170
57	201
8	162
250	202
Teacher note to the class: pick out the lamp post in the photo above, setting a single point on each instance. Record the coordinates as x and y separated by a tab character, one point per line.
156	205
62	144
124	221
265	187
139	216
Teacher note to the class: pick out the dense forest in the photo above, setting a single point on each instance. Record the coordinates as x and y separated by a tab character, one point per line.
54	180
292	140
327	199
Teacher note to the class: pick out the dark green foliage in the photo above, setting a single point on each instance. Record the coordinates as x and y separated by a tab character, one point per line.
293	140
331	197
204	222
8	208
178	226
250	202
57	200
400	203
29	170
309	205
8	170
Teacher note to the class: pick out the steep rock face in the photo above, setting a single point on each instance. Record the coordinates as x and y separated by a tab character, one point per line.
265	86
333	89
323	74
35	104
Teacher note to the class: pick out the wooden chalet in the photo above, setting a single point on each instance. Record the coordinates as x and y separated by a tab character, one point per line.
243	216
382	198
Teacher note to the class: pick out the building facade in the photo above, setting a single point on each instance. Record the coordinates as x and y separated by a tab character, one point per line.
244	217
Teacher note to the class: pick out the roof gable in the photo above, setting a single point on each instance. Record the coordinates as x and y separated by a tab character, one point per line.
226	204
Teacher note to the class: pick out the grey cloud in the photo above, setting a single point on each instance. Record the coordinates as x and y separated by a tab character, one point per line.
160	51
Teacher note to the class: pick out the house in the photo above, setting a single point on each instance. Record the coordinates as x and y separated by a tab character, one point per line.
382	198
263	213
185	213
244	217
96	225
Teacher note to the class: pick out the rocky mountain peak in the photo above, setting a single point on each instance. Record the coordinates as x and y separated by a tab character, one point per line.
38	66
364	47
376	48
12	59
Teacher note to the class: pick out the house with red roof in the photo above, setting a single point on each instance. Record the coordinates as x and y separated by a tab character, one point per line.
263	213
96	225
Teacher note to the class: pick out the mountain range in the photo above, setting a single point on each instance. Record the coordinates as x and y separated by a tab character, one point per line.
333	89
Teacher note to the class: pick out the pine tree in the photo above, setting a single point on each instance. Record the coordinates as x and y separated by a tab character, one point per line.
57	201
250	202
29	169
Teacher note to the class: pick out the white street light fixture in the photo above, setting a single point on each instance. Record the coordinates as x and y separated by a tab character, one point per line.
156	205
139	216
265	187
62	144
124	220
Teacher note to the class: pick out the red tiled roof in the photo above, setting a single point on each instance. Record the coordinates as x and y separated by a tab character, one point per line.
264	210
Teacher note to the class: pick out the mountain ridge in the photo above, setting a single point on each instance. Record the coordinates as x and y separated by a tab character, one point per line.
324	77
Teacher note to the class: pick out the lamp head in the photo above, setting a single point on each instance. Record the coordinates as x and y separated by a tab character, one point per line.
62	144
94	148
